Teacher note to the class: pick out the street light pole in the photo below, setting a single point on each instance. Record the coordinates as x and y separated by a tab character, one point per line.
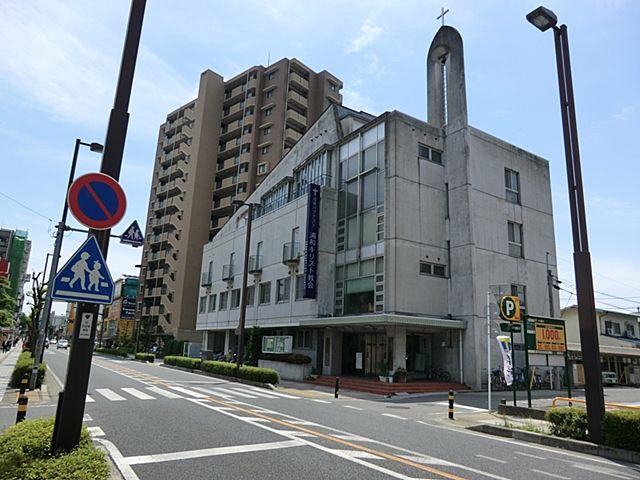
57	247
543	19
245	274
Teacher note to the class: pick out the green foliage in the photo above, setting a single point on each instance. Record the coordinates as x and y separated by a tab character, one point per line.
7	303
23	367
254	346
184	362
568	422
118	352
256	374
220	368
147	357
172	346
25	455
295	358
622	429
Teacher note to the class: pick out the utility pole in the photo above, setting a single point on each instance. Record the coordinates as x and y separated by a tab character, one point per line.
550	288
68	424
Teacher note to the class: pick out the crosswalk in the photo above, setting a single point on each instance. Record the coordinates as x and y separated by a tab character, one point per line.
174	392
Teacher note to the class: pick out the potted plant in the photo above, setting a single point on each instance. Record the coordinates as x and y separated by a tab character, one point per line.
400	375
383	371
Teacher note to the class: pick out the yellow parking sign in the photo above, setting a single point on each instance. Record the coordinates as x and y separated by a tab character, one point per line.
510	308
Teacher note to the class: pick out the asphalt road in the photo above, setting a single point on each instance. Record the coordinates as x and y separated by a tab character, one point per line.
168	424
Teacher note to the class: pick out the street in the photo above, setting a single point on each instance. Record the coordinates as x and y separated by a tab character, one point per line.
169	424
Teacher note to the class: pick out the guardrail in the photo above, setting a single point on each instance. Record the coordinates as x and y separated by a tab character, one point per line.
610	405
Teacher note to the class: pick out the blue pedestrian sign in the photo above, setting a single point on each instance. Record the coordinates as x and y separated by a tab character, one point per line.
85	277
133	235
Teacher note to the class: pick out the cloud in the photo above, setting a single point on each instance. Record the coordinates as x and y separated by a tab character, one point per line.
367	35
374	64
353	97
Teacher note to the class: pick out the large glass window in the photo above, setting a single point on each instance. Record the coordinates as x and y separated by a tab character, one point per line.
368	193
359	296
352	198
515	239
283	289
352	233
212	302
512	185
265	293
235	298
369	158
222	305
369	228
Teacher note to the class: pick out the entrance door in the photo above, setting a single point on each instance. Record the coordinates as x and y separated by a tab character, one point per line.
375	345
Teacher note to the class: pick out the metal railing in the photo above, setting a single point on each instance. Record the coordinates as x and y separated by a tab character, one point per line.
255	263
205	280
291	252
227	272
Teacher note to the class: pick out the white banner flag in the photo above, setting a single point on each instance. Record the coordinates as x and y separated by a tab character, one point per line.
507	362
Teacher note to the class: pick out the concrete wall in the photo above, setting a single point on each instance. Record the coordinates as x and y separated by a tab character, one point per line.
288	371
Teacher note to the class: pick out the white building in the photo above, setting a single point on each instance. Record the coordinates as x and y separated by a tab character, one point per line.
417	221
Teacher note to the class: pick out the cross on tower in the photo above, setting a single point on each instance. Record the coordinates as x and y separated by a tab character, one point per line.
442	14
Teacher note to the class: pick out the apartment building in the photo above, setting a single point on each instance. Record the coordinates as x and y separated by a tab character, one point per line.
212	151
15	250
118	319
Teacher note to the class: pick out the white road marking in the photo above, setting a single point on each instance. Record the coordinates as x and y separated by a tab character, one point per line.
426	460
125	470
352	407
55	377
604	471
355	454
391	415
497	460
216	393
530	456
87	418
95	432
297	433
188	392
457	405
110	395
164	393
210	452
138	394
234	392
255	392
317	400
351	438
303	422
271	392
553	475
89	399
258	419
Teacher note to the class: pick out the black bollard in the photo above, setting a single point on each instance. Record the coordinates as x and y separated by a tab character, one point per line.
337	391
450	404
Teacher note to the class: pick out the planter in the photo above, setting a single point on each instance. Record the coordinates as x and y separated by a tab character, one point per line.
390	377
313	376
288	371
383	378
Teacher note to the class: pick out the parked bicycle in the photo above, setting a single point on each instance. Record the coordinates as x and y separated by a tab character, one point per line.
439	374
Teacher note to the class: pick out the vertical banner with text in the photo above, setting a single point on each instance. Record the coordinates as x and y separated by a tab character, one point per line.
311	242
507	361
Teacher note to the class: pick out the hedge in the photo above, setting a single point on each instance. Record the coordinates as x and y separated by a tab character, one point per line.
568	422
118	352
184	362
25	455
257	374
220	368
147	357
296	358
23	367
622	429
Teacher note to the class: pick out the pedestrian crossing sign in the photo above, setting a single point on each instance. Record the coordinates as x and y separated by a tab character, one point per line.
132	235
85	277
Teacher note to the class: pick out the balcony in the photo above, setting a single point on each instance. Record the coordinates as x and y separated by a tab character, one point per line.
205	280
172	172
227	272
233	112
291	136
170	188
168	206
296	119
221	205
174	155
153	292
296	99
230	130
299	81
255	264
291	253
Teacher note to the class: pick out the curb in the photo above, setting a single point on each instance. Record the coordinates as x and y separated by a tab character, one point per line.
524	412
558	442
267	386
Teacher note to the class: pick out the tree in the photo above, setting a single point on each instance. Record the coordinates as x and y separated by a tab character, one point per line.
7	303
254	345
37	295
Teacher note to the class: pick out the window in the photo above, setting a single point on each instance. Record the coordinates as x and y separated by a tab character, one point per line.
242	188
359	296
302	339
235	298
295	235
266	131
251	294
630	330
265	293
429	153
515	239
262	168
269	94
433	269
222	305
271	75
368	192
268	112
300	287
512	186
333	87
203	305
283	289
520	291
212	303
265	150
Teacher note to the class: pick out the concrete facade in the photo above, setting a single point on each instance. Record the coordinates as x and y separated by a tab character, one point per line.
418	221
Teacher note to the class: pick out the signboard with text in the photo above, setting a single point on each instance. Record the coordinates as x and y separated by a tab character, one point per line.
550	337
277	344
311	243
128	308
510	308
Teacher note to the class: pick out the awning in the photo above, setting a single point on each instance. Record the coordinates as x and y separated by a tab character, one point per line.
387	319
609	350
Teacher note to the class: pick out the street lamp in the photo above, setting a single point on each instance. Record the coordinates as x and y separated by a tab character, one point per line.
245	273
544	19
57	247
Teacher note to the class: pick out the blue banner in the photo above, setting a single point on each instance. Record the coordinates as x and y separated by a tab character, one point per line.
311	242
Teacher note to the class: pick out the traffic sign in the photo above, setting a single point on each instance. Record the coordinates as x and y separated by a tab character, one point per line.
510	308
510	327
85	277
97	201
133	235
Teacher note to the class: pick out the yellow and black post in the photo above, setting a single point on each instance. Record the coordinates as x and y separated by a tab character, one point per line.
450	404
22	400
337	391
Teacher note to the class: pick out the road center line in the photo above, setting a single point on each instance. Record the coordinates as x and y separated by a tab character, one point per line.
530	456
497	460
393	416
553	475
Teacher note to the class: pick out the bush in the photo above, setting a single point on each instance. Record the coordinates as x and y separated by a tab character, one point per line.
568	422
118	352
220	368
184	362
172	346
23	367
296	358
147	357
622	429
25	455
257	374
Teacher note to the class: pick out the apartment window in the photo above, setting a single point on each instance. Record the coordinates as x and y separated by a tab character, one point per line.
520	291
630	330
295	235
244	167
262	168
203	305
269	94
433	269
222	305
235	298
265	293
300	287
271	75
302	339
612	328
333	87
251	294
242	188
268	112
512	185
212	303
283	289
266	131
265	150
515	239
429	153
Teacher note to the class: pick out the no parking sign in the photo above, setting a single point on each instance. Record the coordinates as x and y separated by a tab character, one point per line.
97	201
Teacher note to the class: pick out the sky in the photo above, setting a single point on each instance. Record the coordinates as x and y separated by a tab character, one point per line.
60	62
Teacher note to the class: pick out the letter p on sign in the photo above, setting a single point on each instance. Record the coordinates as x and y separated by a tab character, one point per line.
510	308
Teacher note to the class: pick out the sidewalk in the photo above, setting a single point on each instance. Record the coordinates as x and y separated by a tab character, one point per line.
9	396
7	362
